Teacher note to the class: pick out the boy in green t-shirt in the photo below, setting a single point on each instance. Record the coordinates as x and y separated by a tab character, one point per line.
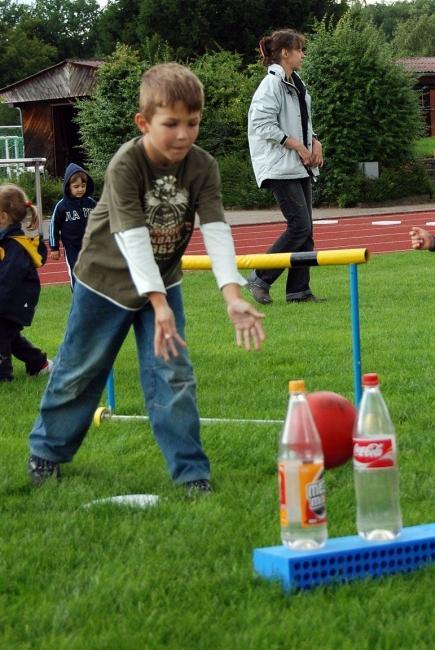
129	273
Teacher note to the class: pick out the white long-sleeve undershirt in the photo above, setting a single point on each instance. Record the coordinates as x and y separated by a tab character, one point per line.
219	244
135	245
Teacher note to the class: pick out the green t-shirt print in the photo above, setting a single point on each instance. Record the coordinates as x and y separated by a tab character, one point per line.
166	205
138	194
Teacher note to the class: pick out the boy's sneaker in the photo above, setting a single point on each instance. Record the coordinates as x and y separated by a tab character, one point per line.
46	368
41	469
199	487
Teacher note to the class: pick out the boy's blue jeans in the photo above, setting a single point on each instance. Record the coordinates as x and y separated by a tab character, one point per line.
95	332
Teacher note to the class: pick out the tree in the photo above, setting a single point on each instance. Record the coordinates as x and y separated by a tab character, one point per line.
40	34
117	23
415	37
388	17
199	26
67	25
364	105
21	52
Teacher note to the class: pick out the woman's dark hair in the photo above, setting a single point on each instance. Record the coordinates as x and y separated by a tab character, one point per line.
271	46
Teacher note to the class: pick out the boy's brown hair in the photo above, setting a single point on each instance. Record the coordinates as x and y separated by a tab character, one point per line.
167	83
78	175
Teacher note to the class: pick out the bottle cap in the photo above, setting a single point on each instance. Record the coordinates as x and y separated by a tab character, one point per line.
370	379
296	386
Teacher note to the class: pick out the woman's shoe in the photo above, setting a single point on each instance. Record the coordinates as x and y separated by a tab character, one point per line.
310	298
259	294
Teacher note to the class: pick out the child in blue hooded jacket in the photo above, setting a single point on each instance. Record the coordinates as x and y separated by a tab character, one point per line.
20	256
70	216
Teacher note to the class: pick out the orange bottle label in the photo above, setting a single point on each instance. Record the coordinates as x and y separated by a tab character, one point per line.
283	518
312	494
302	494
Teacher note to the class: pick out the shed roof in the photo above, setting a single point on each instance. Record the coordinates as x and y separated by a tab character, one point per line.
67	79
418	63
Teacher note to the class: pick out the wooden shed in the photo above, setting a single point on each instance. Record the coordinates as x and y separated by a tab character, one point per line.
46	101
424	69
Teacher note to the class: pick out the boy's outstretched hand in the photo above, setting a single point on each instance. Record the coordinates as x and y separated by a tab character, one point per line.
166	337
247	323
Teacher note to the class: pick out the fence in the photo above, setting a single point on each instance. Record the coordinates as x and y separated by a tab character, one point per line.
11	147
35	165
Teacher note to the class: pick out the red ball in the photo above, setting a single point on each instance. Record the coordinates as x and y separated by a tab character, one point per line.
335	417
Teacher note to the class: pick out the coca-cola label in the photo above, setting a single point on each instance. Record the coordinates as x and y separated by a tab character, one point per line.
373	453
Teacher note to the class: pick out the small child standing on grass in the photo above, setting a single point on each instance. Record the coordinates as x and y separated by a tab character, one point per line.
20	256
129	275
70	216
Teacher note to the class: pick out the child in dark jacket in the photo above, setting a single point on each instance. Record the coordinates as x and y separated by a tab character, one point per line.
20	256
70	216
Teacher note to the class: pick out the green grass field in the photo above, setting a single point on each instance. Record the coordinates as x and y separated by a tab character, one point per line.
179	575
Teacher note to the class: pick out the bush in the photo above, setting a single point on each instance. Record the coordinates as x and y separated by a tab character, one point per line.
106	119
398	182
239	188
394	182
51	188
364	104
228	92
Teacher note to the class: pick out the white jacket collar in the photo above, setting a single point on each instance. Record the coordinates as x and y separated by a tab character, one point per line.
278	70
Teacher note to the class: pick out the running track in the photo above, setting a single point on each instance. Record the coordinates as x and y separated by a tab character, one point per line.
378	233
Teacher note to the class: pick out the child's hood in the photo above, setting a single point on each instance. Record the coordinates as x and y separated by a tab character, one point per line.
73	168
34	247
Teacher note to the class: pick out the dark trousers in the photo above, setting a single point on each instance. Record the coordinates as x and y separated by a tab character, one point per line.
12	343
72	251
295	200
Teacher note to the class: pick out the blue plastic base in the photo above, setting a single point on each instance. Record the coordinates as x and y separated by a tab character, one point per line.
347	558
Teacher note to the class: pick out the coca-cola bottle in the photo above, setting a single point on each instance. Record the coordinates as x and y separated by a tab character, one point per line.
375	466
301	471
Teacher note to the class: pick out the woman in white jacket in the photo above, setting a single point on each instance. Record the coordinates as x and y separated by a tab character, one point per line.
285	155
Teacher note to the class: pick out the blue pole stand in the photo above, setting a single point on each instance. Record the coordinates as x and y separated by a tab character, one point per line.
356	345
110	390
343	559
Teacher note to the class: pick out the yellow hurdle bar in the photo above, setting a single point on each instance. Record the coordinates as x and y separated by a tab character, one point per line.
283	260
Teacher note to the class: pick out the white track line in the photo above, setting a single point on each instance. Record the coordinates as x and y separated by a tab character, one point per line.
386	223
